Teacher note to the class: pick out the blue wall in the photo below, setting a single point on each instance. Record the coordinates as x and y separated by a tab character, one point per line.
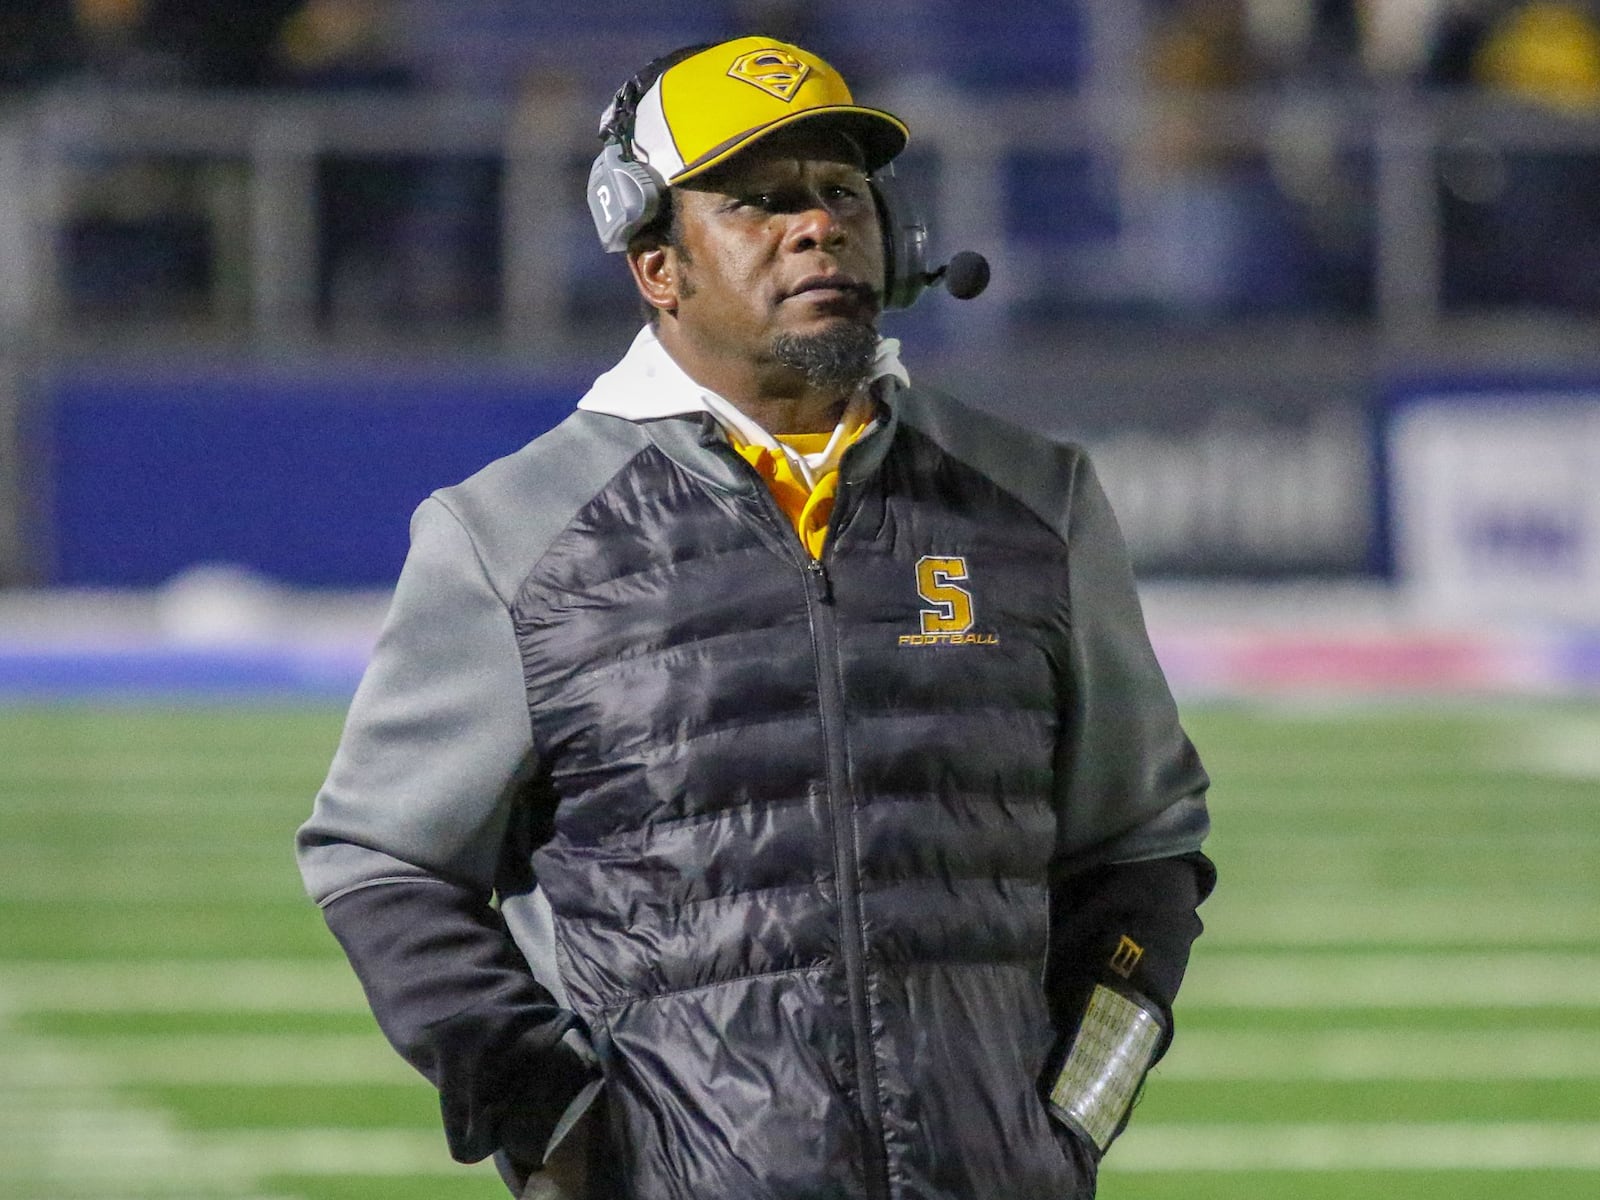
309	477
309	474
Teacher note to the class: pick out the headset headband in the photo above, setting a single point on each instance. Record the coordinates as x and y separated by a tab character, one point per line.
616	125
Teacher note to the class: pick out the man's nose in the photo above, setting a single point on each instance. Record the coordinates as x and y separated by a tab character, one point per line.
815	225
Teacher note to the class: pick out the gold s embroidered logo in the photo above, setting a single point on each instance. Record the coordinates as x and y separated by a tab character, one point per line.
776	72
951	606
948	618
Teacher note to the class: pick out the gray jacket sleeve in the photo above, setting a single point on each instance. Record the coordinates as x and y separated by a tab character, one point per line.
1130	792
402	848
1129	785
437	729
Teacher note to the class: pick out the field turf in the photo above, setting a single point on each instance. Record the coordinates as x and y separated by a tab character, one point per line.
1398	994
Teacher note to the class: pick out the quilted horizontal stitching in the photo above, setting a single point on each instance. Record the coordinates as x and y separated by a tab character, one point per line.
744	549
648	997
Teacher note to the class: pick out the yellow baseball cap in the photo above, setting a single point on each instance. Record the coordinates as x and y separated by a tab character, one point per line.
709	106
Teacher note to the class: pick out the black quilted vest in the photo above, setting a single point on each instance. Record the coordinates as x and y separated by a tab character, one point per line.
806	809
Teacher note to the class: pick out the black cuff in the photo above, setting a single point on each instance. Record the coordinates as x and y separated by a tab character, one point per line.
1150	905
530	1119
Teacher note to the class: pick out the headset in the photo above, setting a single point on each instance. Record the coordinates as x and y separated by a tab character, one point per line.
625	195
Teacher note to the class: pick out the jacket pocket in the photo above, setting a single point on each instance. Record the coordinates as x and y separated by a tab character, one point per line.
736	1089
1081	1157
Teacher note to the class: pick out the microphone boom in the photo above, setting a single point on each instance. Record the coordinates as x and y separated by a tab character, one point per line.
966	274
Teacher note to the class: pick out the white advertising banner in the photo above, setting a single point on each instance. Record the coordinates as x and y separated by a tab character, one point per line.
1495	504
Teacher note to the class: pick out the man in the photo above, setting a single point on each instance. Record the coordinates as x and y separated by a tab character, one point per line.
802	725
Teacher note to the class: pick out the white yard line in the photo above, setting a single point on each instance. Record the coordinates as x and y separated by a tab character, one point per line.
258	985
235	1060
1563	746
67	1134
83	1151
79	1141
1299	919
1400	979
1489	1056
113	798
1451	1146
137	876
1355	846
177	765
367	1152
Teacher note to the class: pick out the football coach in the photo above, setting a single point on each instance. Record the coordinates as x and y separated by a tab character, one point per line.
763	787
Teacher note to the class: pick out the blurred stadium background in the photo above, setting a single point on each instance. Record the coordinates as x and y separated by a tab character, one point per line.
1318	281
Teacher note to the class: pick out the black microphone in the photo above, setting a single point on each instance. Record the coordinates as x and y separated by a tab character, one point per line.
965	275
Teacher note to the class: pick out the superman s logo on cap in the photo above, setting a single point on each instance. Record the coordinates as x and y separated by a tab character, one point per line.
774	71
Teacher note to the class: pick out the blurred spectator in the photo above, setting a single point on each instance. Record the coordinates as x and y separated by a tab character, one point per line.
114	45
146	42
1396	36
1333	52
1545	52
1456	38
1347	44
341	44
1202	45
140	43
402	239
139	240
38	43
1218	233
217	43
143	239
1522	226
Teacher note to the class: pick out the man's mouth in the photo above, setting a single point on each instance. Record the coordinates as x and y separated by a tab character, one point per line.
835	287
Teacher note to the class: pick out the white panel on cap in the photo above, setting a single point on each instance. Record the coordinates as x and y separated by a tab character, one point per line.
652	140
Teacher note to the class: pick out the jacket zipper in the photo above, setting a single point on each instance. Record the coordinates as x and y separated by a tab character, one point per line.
846	856
847	874
846	849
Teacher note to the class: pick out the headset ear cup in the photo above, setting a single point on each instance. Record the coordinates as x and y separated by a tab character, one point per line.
905	243
624	197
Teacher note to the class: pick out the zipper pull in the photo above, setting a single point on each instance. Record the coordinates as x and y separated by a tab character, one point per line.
821	584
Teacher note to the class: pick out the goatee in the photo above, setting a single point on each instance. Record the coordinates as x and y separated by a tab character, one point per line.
839	358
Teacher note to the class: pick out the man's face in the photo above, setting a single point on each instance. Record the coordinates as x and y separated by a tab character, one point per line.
779	244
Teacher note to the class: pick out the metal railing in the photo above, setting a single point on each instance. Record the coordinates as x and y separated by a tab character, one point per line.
262	155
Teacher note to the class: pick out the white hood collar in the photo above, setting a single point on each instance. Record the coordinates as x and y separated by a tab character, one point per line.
647	384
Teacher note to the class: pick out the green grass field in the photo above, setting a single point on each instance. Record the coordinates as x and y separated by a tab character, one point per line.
1398	994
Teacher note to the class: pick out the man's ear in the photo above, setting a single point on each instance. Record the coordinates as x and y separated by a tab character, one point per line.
658	274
